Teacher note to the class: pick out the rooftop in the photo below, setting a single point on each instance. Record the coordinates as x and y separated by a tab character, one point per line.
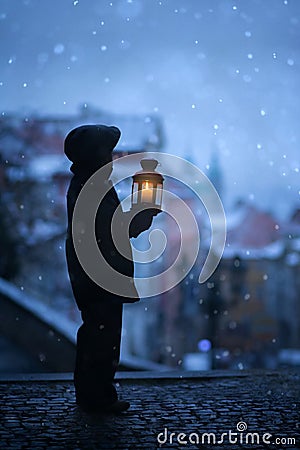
39	412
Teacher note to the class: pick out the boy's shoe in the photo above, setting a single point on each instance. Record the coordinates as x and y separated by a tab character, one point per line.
117	407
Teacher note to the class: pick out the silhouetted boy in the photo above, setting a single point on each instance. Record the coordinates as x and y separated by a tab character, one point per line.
90	147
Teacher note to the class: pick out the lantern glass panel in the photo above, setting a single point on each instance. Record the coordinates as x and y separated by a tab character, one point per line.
147	192
158	198
135	191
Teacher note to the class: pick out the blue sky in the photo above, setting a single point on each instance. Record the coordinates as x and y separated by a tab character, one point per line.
223	75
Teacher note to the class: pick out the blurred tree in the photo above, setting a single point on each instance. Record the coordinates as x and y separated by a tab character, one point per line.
9	261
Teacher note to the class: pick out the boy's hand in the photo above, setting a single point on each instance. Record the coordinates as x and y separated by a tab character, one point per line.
142	221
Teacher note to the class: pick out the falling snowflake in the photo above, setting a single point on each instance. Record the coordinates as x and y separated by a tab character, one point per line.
59	49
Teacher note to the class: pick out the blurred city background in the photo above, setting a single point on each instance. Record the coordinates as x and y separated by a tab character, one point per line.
215	82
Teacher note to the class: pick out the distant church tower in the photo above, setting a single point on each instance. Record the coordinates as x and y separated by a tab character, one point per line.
215	174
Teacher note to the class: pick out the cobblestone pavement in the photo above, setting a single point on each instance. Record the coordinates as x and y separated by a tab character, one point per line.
43	415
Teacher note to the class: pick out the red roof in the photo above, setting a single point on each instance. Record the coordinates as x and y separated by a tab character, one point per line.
255	229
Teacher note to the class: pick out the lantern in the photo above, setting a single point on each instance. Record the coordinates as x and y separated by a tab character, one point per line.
147	186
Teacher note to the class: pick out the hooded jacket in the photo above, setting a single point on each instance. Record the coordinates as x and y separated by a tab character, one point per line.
89	147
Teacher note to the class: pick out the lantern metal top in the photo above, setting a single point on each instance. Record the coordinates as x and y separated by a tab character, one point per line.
148	165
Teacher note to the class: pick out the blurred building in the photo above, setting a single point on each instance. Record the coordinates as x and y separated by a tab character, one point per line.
249	310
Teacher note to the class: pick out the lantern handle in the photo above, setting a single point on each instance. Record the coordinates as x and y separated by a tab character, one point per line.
149	164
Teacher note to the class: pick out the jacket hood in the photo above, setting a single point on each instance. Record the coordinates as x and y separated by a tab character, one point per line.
91	145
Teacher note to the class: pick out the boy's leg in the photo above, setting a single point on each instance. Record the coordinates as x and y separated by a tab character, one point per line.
98	353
